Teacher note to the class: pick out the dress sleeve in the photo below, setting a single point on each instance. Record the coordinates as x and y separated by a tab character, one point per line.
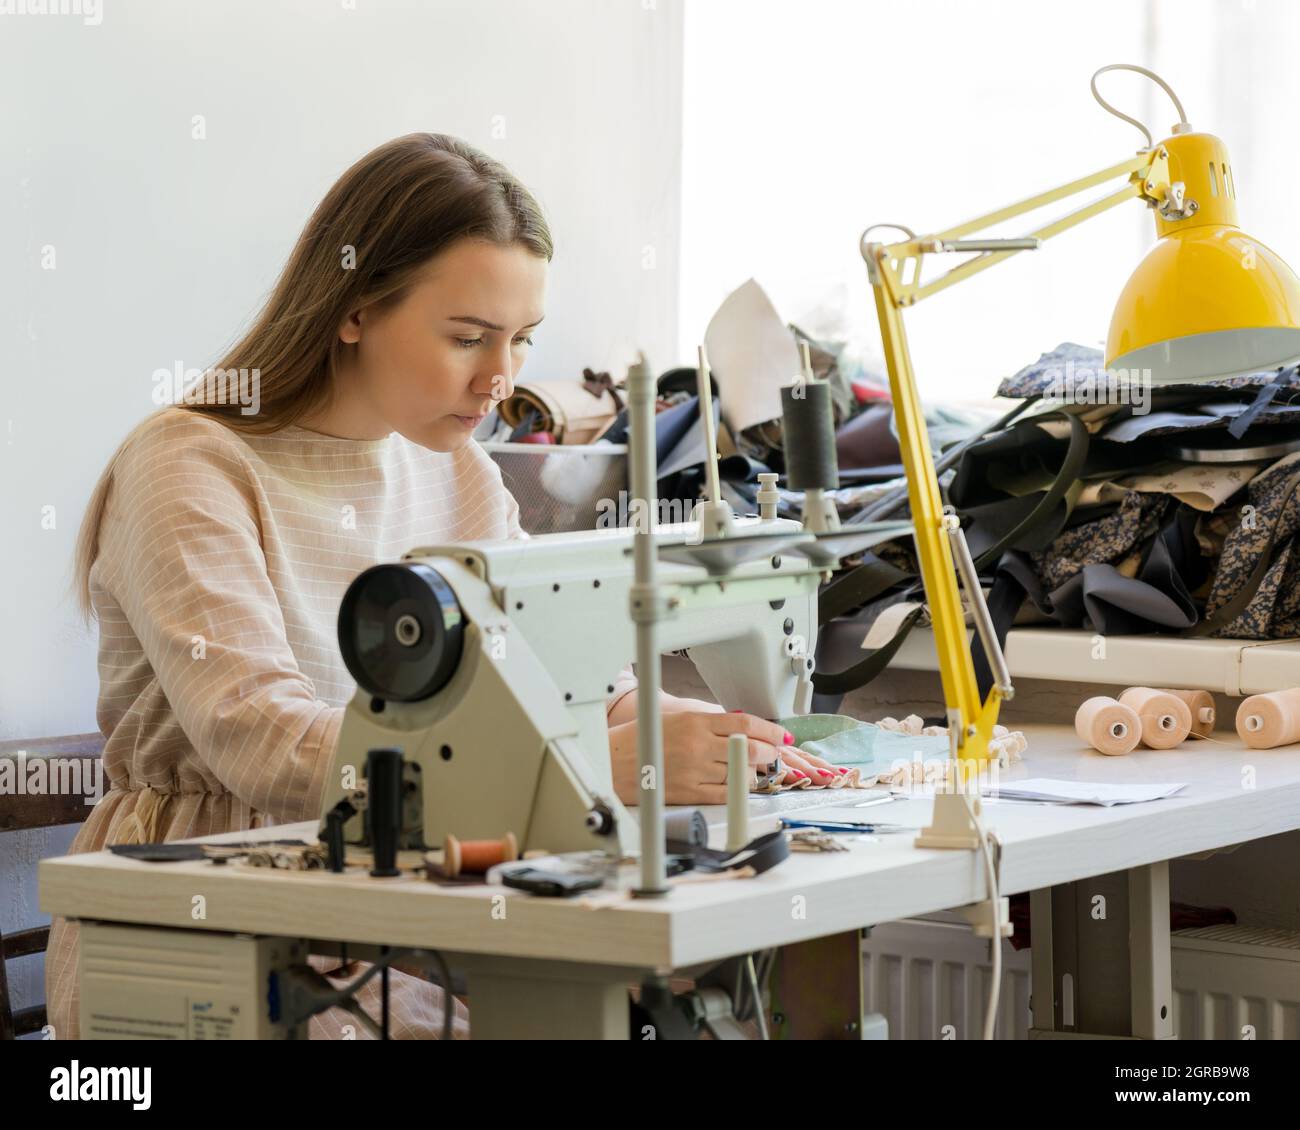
624	685
181	552
513	528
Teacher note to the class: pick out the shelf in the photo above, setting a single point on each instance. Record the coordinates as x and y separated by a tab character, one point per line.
1235	667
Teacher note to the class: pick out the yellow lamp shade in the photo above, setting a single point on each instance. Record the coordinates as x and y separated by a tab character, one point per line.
1208	300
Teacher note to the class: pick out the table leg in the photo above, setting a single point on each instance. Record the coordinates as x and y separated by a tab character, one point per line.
817	989
530	1000
1101	964
1150	978
1042	981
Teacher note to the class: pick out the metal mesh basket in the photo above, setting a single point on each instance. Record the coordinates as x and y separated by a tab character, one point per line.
561	487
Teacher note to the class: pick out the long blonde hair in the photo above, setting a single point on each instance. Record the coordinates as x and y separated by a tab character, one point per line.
380	223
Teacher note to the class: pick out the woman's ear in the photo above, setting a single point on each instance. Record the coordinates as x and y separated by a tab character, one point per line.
350	328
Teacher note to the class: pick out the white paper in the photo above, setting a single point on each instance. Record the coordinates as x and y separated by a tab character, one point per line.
886	624
1084	792
1137	426
752	354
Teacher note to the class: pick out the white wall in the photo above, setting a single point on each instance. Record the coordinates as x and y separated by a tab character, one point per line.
806	123
165	245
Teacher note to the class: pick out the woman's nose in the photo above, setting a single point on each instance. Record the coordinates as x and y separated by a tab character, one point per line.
497	382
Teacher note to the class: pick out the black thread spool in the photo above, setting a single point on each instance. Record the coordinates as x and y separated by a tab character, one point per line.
808	425
384	809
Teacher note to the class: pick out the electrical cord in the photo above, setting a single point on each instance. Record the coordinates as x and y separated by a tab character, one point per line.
759	1015
1182	116
897	227
752	972
987	842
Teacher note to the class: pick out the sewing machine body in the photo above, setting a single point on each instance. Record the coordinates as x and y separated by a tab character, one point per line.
517	739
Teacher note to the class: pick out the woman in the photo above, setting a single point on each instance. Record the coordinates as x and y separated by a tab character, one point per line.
217	544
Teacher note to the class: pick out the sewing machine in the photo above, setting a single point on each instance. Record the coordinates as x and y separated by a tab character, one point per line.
490	663
485	667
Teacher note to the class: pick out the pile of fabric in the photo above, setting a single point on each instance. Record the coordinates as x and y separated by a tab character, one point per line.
1098	501
753	354
1106	504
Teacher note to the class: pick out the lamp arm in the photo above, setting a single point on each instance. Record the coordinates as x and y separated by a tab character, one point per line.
970	721
1148	180
970	724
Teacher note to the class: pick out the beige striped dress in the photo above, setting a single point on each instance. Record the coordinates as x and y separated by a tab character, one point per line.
223	559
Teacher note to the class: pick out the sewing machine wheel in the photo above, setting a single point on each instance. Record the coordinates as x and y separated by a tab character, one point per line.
401	631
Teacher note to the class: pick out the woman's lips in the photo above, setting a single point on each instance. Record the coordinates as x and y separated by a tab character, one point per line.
470	422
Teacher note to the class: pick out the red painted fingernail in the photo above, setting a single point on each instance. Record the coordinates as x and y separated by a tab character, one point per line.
841	770
737	712
824	773
789	738
798	772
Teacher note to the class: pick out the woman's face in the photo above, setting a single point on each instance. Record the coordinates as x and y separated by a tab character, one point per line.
433	365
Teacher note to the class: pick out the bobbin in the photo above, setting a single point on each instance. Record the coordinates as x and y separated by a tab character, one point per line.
474	857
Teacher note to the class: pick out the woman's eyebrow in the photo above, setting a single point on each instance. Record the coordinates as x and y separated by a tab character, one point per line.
473	321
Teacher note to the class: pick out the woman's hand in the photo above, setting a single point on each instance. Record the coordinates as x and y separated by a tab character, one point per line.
695	755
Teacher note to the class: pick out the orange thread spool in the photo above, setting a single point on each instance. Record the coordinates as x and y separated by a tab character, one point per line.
1201	704
1108	726
1166	718
1266	721
474	857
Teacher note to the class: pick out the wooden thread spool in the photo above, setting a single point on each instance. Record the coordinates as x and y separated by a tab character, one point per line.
1201	704
1108	726
474	857
1266	721
1166	719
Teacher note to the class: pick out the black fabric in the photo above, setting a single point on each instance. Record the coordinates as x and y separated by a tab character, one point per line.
856	586
998	522
1098	597
995	525
861	673
188	853
761	854
684	379
1004	600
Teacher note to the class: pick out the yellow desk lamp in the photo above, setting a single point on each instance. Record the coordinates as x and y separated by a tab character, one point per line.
1208	301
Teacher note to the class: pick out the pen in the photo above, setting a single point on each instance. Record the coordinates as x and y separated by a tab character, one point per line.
841	826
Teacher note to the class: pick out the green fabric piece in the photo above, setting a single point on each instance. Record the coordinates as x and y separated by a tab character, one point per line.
842	740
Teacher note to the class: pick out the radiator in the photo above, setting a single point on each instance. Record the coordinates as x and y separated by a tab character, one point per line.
930	979
1236	982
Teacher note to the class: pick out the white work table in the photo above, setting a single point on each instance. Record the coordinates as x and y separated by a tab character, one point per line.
600	942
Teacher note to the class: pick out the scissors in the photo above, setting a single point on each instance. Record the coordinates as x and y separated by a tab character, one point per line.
841	826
